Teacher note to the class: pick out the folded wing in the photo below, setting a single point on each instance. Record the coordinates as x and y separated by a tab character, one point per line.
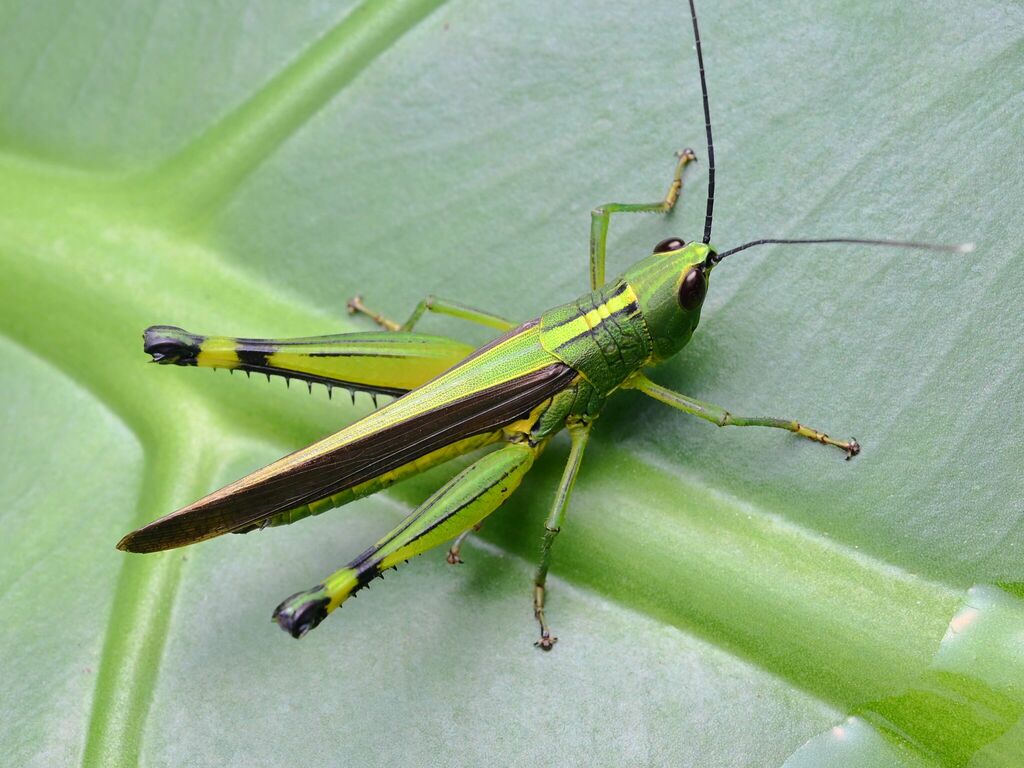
336	463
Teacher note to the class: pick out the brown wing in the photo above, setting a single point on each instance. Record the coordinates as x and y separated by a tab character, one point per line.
249	501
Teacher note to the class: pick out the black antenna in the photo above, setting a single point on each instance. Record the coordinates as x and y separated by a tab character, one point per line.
714	258
707	128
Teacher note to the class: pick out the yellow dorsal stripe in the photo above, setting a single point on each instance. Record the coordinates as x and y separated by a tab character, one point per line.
563	334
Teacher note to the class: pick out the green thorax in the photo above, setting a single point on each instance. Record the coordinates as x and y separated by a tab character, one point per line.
601	334
637	319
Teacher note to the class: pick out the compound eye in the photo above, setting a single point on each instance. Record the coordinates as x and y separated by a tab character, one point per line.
669	244
693	289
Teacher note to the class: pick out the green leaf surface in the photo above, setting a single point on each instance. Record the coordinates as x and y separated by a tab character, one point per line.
723	597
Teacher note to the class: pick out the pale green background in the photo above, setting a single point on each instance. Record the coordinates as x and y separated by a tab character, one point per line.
722	597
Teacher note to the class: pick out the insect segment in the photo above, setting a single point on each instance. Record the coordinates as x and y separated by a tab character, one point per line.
377	363
514	394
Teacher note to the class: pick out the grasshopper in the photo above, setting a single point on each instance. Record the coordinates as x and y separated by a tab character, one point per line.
514	394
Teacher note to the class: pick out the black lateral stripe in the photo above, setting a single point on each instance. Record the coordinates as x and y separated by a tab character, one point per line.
256	352
250	360
349	465
456	510
412	519
626	311
367	565
253	359
619	290
360	353
630	309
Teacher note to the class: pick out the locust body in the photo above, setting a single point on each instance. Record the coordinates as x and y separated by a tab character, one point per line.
551	372
511	396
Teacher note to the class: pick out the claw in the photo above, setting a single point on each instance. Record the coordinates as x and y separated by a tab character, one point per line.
852	448
546	642
169	344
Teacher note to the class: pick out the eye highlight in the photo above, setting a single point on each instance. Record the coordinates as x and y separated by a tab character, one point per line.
669	244
693	289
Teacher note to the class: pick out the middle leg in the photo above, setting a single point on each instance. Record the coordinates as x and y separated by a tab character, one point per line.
579	432
723	418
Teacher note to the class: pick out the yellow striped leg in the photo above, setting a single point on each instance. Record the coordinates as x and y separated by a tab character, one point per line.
433	304
377	362
579	432
600	217
460	504
723	418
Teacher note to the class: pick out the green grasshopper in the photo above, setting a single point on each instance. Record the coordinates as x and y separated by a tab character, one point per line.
550	373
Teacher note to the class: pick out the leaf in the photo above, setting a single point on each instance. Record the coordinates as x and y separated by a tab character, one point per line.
723	597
